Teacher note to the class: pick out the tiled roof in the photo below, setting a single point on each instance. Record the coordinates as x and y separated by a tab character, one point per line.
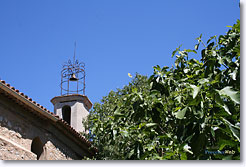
51	115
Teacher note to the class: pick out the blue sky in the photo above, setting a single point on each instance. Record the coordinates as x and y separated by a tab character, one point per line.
114	38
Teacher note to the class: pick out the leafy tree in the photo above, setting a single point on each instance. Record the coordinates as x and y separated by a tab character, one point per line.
183	112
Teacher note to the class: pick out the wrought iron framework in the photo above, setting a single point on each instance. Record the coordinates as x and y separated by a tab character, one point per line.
73	78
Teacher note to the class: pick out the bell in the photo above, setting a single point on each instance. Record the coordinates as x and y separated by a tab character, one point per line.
73	78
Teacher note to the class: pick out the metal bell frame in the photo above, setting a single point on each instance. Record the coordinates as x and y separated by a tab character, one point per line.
73	72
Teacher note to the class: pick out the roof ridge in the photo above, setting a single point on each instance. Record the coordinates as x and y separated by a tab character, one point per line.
28	98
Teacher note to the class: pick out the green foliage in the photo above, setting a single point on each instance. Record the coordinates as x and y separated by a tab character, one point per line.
179	112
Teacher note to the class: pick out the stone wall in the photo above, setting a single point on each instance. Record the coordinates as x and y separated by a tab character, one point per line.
11	151
18	129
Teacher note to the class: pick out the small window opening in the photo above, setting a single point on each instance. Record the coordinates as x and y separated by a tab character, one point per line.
66	114
37	147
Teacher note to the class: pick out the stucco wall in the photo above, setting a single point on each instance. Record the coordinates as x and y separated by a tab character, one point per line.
19	127
79	111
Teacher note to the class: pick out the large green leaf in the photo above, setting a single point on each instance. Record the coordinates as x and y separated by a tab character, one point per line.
196	90
190	50
235	130
118	113
222	143
181	113
151	124
228	91
176	50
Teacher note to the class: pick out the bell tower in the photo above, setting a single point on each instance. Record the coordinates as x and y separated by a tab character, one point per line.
72	105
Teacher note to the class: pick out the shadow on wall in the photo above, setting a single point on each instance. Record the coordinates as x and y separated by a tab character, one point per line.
37	148
66	114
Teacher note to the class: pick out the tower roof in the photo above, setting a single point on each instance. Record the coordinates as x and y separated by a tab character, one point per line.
74	97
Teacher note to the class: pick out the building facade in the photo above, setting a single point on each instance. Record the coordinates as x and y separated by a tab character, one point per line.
28	131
